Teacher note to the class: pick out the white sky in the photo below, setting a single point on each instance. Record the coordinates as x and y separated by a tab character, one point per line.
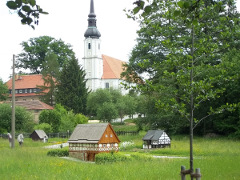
68	20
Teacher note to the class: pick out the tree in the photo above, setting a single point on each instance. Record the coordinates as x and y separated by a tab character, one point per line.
50	74
3	91
107	112
121	107
110	96
51	117
69	120
96	100
28	11
71	89
35	51
23	119
179	44
47	128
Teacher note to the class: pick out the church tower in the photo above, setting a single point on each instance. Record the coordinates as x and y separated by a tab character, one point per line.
92	60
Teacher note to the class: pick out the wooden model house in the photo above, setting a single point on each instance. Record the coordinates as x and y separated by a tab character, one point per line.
156	139
87	140
38	135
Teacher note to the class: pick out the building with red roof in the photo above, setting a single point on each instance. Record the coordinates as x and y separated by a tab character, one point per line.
26	87
28	93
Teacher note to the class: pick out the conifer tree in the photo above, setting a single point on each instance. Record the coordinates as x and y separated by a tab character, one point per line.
71	89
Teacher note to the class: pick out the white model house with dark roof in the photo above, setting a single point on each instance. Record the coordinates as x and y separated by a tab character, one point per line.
101	71
156	139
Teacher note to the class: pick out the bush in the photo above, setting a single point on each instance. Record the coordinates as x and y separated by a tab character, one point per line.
58	152
103	158
47	128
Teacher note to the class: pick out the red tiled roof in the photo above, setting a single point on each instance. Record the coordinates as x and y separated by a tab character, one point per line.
26	81
33	105
112	68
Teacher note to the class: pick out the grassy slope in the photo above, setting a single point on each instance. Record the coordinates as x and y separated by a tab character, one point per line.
217	158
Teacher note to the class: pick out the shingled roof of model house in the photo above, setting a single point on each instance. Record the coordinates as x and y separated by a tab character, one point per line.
89	133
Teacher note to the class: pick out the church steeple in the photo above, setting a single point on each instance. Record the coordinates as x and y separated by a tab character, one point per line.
92	30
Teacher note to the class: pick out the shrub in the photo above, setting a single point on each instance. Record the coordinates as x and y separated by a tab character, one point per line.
58	152
47	128
103	158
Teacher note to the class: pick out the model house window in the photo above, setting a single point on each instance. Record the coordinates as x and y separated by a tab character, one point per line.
106	135
89	45
20	91
107	85
99	46
111	135
34	90
30	90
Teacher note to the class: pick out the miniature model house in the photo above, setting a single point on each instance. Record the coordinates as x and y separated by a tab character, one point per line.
87	140
156	139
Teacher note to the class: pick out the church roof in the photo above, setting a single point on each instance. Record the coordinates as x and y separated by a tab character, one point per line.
112	67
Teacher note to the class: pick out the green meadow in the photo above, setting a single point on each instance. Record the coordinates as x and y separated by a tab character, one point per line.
218	159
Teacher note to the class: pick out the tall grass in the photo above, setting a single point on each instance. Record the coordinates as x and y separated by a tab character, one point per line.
218	159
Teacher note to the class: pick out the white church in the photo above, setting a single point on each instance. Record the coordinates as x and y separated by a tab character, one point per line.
101	71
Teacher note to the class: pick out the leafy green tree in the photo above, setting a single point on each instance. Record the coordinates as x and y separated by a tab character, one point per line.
23	119
96	99
80	119
52	117
50	74
47	128
121	107
178	44
35	51
3	91
71	89
69	120
107	112
131	105
28	11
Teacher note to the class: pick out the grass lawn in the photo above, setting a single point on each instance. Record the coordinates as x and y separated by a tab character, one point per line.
219	159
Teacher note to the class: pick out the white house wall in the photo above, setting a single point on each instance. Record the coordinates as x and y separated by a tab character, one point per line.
164	139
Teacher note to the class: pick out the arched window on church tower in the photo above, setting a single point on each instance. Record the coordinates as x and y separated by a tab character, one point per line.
89	45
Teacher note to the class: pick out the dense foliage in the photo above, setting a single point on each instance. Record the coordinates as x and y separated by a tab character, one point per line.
35	51
3	91
50	75
58	152
27	10
51	117
23	119
71	88
109	104
180	54
59	120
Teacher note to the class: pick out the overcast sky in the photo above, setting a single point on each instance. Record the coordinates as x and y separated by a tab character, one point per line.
67	20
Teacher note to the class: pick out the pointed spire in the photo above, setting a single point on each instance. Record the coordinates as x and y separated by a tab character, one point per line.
92	8
92	30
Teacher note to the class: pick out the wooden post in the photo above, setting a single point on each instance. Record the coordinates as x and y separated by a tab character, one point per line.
198	174
182	174
185	171
13	104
